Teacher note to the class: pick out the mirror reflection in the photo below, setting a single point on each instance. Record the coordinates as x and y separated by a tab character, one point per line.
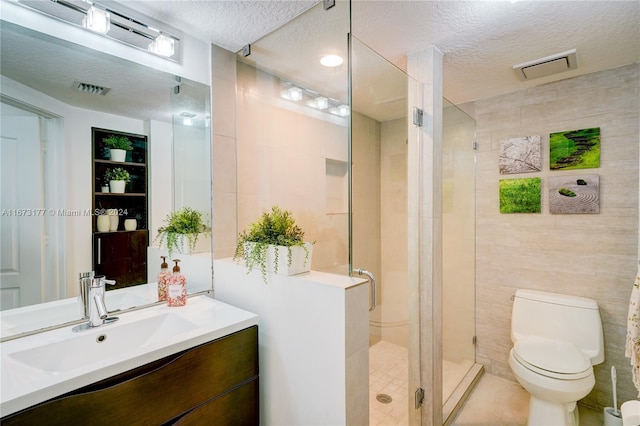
59	103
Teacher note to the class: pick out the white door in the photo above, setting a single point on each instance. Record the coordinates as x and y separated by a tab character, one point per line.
21	209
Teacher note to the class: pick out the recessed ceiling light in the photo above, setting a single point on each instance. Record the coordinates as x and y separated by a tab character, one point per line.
331	60
187	118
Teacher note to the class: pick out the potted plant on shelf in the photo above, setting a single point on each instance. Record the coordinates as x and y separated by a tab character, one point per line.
274	243
118	147
188	224
117	179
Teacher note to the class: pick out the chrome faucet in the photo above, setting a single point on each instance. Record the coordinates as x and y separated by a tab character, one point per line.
92	292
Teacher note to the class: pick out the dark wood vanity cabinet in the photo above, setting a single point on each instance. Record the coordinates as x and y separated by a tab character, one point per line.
212	384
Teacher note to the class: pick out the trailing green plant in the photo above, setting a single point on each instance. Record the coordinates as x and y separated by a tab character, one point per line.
118	142
117	174
182	223
277	228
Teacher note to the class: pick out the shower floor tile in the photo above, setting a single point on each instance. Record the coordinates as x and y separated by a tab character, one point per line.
388	375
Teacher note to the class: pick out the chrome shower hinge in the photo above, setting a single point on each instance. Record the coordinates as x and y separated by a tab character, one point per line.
418	116
419	397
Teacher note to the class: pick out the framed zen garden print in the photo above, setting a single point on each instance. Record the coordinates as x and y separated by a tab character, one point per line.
574	194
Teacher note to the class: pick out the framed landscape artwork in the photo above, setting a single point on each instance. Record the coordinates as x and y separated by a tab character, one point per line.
520	155
575	149
520	195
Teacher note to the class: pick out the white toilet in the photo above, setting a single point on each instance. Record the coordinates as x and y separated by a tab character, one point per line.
557	339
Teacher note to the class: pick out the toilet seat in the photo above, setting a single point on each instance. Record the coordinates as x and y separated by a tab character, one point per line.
552	358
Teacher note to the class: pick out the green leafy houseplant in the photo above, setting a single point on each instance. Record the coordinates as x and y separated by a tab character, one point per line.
117	174
275	228
184	223
118	142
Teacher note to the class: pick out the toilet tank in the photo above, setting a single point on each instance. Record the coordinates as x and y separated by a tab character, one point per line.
560	317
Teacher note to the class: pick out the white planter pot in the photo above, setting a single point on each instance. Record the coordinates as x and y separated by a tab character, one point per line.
102	223
130	224
114	219
298	256
118	155
117	186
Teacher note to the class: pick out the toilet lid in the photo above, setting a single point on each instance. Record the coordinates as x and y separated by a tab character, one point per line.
552	355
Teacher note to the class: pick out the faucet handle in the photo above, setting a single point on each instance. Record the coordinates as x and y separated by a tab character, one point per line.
101	280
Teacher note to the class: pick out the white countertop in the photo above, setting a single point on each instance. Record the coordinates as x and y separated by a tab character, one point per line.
203	319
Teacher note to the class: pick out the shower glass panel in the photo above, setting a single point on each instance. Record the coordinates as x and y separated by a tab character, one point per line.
458	247
379	157
192	147
292	133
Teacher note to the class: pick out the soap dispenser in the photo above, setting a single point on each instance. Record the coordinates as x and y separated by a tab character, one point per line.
163	277
176	287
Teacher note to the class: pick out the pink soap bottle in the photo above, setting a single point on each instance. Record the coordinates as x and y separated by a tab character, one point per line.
176	287
163	276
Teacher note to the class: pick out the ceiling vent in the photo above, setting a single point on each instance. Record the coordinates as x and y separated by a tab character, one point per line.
91	88
549	65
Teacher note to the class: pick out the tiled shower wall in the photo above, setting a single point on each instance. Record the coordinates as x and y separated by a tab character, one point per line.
590	255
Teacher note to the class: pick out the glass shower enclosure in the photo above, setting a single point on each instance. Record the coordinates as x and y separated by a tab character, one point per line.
330	144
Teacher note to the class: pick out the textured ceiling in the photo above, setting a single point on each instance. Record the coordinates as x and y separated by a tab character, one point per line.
229	24
480	40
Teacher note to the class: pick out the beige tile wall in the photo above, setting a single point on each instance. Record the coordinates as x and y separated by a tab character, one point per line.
282	154
223	126
458	236
380	220
393	208
365	142
591	255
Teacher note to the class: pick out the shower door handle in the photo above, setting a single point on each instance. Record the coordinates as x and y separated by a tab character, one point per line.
372	281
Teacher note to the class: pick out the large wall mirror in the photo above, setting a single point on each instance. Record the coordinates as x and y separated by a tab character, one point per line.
51	99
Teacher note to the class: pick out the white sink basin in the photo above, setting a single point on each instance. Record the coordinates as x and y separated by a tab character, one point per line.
103	342
42	366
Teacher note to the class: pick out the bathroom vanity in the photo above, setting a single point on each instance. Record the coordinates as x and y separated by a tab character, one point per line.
192	365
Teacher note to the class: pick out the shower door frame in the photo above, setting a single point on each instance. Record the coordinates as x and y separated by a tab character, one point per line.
425	237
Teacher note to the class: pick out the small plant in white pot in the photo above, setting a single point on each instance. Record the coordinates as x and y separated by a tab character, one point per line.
274	243
183	230
118	147
118	179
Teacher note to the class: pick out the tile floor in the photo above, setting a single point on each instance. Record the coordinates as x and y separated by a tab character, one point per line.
388	373
499	402
493	402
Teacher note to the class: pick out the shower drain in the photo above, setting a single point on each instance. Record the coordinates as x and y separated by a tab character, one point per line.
384	398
